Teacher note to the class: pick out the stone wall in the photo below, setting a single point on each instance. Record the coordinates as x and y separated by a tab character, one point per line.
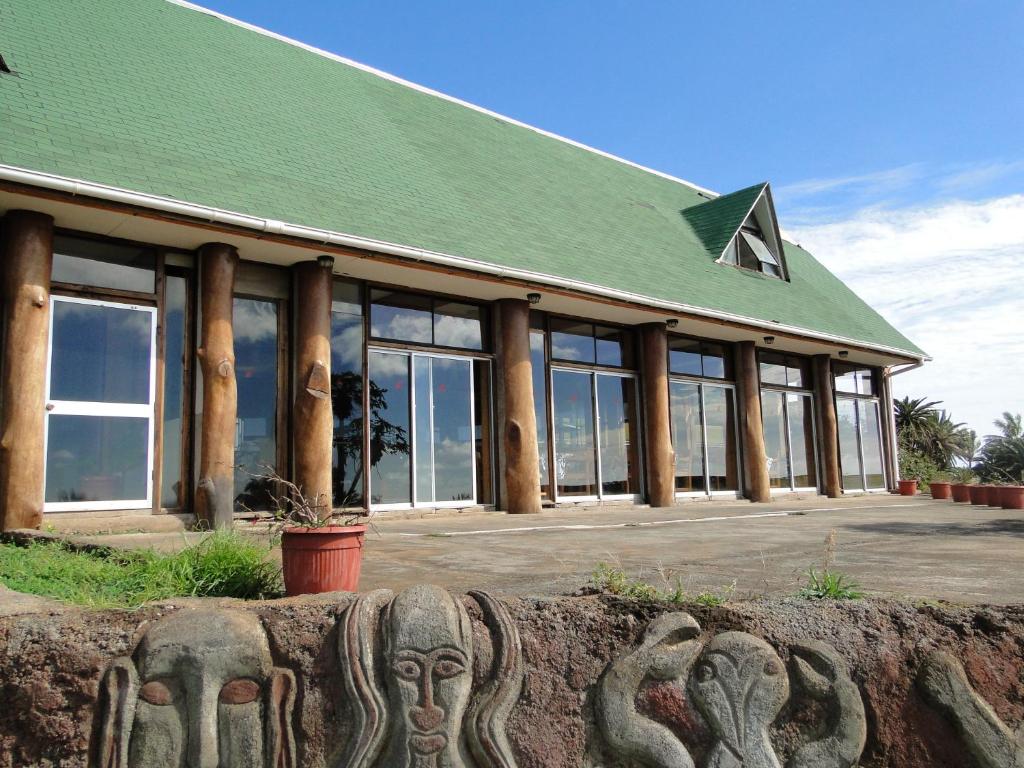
424	679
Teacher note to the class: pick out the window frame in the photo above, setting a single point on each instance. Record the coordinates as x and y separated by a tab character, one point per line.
701	383
486	324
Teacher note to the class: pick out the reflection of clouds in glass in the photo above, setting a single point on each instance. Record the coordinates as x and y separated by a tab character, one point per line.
457	332
347	348
255	320
404	325
120	322
383	365
565	352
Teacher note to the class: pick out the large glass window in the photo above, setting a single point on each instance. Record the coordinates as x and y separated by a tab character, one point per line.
256	324
596	435
173	490
687	436
540	400
422	319
784	370
690	357
860	444
347	394
580	342
100	404
429	440
78	261
788	425
704	437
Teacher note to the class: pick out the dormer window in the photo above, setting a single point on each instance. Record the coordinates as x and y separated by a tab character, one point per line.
749	249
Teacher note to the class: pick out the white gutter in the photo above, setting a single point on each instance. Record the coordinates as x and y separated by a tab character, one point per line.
78	187
894	444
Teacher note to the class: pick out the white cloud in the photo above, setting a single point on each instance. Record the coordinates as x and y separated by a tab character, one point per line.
951	277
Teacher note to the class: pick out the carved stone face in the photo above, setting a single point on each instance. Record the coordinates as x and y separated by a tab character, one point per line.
740	685
203	694
429	676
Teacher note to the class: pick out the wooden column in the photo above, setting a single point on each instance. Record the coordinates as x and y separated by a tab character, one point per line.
27	252
312	416
828	429
661	458
758	486
517	417
215	490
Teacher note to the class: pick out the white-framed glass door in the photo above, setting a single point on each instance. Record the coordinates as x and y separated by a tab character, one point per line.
705	438
423	440
860	444
787	420
596	439
101	391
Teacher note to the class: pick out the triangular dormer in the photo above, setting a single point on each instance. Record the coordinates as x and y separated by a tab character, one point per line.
741	229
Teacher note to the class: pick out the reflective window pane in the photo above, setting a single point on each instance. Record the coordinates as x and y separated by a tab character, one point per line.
797	373
347	395
390	429
614	347
773	373
173	494
422	439
96	458
773	418
717	364
872	443
482	430
687	436
865	381
849	446
100	353
845	379
617	434
801	440
256	352
103	265
458	325
572	341
575	456
540	399
684	356
401	316
453	442
720	419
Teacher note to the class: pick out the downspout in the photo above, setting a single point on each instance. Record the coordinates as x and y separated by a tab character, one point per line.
887	374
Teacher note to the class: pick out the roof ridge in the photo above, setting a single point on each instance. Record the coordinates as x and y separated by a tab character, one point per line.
431	92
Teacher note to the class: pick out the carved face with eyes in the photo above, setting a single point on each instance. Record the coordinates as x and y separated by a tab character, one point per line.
201	692
429	641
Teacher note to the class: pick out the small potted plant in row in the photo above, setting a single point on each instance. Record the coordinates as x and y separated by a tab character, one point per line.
908	487
940	486
962	478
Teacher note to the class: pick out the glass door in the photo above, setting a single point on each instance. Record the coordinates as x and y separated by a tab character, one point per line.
101	390
788	427
704	438
423	435
860	444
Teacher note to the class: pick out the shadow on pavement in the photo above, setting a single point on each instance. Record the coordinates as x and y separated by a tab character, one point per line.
1007	526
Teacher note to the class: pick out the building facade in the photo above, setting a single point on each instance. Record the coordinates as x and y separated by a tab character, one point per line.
228	258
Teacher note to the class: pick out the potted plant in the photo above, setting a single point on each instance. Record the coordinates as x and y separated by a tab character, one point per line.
320	551
908	487
940	486
962	478
979	495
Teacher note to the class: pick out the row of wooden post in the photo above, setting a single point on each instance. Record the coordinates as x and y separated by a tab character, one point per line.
27	252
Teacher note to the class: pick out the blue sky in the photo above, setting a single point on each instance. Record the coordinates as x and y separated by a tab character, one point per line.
891	132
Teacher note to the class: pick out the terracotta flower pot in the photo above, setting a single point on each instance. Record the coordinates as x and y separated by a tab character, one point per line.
326	559
908	487
940	490
1012	496
979	495
961	492
995	495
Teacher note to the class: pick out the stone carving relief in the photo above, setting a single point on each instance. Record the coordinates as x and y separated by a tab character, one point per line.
740	685
990	742
200	689
408	664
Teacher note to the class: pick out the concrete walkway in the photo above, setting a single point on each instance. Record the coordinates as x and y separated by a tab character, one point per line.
891	545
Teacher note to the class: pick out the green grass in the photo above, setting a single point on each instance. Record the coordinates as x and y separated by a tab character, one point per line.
830	585
225	564
615	581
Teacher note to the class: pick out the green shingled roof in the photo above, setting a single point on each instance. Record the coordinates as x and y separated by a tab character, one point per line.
716	221
158	98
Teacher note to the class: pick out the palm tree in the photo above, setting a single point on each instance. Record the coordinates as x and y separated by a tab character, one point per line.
943	439
1010	425
913	419
1002	456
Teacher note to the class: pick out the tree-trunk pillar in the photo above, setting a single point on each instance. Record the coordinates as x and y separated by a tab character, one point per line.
520	459
661	458
828	430
313	417
215	492
27	253
758	486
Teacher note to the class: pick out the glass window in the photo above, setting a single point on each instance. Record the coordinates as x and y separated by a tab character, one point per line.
687	436
575	449
103	265
784	370
571	340
614	346
540	399
96	458
390	429
617	434
458	325
422	441
256	369
849	444
451	438
860	444
173	494
845	379
720	426
773	373
871	430
853	379
801	441
866	381
401	316
684	356
482	430
347	394
773	416
102	353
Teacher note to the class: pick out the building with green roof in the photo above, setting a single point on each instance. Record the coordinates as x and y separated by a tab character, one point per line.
231	259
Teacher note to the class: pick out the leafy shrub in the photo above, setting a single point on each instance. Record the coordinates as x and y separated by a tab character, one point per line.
830	585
